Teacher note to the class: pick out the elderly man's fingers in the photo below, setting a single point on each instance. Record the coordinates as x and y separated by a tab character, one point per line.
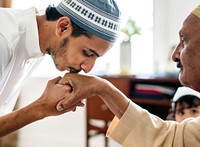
72	107
80	104
64	104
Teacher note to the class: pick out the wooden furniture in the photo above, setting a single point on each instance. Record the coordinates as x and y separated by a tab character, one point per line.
97	110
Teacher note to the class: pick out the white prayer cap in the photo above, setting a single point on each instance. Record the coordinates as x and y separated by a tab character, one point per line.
182	91
99	17
196	11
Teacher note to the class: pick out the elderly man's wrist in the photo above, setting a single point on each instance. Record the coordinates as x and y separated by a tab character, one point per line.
103	87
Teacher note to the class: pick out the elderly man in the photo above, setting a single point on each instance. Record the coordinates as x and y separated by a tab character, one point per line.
134	126
75	34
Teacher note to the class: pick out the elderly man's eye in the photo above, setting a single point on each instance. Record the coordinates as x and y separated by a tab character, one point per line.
183	40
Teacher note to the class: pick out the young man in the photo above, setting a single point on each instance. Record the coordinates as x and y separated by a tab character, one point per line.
75	34
134	126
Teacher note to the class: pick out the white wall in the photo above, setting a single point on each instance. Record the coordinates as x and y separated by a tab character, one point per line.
168	18
67	130
64	130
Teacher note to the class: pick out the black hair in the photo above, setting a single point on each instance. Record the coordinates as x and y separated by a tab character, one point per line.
52	14
186	101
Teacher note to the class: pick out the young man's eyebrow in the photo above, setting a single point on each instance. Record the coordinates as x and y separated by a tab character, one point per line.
94	52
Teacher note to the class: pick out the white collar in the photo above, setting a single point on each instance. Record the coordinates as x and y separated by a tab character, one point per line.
32	37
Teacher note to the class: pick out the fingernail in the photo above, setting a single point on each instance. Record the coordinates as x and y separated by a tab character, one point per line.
82	105
60	108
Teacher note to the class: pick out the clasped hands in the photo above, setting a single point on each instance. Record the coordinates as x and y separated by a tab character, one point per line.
82	87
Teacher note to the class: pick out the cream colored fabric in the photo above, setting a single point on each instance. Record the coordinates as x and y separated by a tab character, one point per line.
196	11
139	128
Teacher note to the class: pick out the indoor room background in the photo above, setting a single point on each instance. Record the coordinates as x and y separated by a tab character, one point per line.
159	22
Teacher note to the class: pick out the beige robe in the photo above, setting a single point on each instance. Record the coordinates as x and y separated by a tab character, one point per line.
139	128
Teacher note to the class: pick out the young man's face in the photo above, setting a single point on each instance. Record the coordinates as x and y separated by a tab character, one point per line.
181	114
187	53
79	53
68	52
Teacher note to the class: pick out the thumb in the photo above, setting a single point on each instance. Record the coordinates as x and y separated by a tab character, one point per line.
65	103
63	81
60	106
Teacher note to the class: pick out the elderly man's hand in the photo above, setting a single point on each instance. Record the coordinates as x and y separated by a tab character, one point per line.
82	87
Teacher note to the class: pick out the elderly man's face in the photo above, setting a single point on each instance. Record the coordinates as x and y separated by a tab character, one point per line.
187	53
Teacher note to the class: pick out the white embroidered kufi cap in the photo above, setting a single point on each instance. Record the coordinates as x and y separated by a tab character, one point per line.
99	17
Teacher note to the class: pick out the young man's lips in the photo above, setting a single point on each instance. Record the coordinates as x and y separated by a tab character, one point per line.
73	70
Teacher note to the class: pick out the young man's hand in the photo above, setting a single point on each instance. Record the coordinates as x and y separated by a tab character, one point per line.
82	87
55	92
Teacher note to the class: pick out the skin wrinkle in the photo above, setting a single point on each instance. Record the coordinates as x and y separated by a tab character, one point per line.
188	51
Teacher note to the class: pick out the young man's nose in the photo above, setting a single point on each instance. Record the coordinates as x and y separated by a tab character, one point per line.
87	65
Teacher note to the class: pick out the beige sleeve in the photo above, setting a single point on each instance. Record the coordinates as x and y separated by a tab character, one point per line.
138	127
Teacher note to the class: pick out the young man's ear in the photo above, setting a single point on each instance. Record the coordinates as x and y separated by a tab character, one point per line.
63	26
